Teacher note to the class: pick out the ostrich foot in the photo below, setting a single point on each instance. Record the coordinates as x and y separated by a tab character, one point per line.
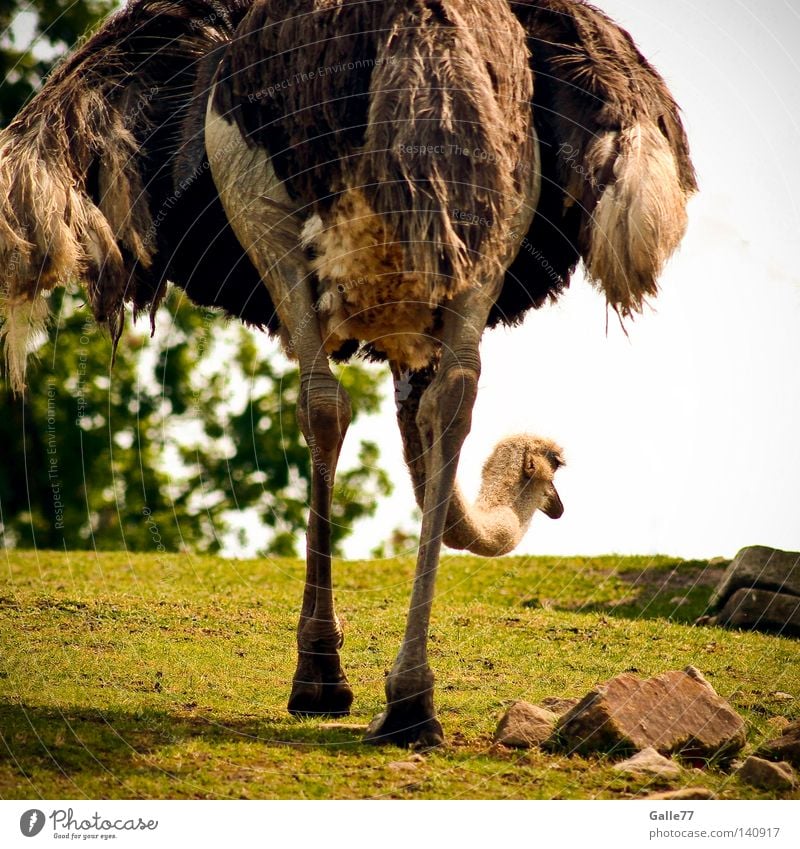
409	726
409	719
320	687
320	698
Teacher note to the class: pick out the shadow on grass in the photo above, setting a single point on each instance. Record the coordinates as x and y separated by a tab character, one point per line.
678	593
85	740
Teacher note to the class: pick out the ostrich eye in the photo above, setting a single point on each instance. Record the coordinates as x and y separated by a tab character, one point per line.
555	461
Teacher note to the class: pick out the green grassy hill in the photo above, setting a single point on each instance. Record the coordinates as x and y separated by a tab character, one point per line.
133	676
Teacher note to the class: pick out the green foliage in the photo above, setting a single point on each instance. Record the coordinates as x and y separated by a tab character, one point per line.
167	677
157	451
81	470
56	25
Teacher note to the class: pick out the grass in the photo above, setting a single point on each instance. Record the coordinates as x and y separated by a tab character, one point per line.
126	676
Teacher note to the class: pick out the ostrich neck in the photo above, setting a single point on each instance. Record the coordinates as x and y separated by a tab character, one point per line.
494	525
481	529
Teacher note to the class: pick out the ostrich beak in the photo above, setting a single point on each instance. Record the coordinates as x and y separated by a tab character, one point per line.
554	508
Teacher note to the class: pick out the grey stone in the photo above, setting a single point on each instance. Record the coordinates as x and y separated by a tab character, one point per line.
786	747
673	712
762	567
686	794
761	610
525	726
767	775
649	762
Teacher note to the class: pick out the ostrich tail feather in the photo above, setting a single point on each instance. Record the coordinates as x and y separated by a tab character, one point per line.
640	218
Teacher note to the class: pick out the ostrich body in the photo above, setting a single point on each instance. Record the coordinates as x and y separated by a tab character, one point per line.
374	177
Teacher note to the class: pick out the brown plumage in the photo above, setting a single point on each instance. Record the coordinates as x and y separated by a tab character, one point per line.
427	118
126	111
619	155
86	176
388	176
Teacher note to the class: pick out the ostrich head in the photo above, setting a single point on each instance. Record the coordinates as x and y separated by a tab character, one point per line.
517	481
543	459
520	473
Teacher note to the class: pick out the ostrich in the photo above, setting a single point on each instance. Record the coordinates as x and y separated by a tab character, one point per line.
386	179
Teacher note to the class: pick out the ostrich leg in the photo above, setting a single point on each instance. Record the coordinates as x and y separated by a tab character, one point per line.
444	419
319	686
261	214
409	386
323	412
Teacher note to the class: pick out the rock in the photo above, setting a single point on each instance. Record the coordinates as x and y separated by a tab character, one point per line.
784	748
760	591
524	726
767	775
782	697
409	765
687	794
649	762
403	766
762	567
673	712
761	610
558	706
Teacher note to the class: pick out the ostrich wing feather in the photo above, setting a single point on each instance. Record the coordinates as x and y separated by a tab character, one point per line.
104	176
89	179
616	166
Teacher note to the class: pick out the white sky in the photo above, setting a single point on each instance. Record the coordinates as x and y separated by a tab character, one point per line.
682	439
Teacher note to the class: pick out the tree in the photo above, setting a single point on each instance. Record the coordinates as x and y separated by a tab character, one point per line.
153	452
55	25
